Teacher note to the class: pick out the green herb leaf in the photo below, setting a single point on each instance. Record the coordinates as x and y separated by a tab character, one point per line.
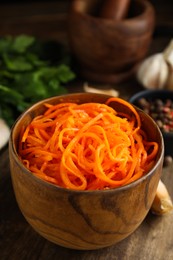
5	44
22	42
18	63
27	75
11	96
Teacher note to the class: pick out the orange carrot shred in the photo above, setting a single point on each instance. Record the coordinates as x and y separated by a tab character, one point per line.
88	146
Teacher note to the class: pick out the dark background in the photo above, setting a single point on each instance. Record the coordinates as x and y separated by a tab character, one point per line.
47	19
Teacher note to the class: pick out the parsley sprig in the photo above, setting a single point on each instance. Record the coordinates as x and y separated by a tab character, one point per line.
30	70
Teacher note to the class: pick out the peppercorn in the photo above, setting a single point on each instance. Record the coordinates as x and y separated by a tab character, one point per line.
143	102
159	123
160	110
167	161
162	113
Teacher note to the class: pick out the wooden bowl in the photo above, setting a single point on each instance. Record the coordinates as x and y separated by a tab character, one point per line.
106	50
82	219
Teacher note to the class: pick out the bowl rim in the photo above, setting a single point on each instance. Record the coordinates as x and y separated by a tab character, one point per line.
146	92
13	150
148	7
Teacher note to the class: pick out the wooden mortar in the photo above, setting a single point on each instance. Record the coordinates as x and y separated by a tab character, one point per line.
109	50
114	9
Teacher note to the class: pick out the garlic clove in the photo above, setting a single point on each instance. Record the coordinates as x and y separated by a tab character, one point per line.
162	203
168	54
169	83
111	91
153	72
4	133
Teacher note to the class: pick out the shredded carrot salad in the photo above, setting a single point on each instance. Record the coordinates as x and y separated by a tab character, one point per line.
87	146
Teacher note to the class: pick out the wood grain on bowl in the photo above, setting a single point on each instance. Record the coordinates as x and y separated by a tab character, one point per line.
82	220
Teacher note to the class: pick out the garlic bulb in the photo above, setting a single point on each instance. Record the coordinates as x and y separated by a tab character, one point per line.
4	133
169	83
153	72
168	56
162	203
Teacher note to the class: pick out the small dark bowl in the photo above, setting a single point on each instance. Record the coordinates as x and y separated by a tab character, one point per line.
162	94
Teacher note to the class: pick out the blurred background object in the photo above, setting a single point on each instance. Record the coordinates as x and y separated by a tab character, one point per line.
108	49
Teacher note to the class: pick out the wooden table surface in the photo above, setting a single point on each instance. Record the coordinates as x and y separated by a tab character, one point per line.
153	240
